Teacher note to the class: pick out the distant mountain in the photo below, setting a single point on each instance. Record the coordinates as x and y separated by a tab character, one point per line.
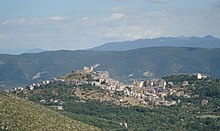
144	63
19	114
18	51
34	50
203	42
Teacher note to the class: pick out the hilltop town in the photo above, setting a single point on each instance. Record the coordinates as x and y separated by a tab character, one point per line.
147	93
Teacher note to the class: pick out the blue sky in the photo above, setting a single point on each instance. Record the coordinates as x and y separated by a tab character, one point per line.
82	24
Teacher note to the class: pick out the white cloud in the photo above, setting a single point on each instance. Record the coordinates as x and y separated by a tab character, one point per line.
131	32
156	13
57	18
85	18
30	21
120	23
85	21
116	16
152	33
19	21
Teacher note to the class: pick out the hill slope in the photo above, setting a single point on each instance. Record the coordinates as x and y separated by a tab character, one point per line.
204	42
154	62
19	114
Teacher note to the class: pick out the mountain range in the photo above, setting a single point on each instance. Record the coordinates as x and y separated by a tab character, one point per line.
17	51
125	66
203	42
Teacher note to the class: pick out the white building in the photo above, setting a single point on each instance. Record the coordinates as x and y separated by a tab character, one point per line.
200	76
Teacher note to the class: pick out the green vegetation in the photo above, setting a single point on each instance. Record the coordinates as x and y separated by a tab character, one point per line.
60	92
178	80
138	118
207	88
161	61
189	114
19	114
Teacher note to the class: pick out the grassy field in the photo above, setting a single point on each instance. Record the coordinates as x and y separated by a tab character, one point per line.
19	114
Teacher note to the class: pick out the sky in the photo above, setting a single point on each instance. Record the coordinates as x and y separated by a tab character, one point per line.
83	24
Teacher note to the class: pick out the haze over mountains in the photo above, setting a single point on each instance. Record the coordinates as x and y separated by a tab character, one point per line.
204	42
208	41
18	51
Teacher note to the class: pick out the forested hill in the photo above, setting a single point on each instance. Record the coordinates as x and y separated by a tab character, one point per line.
204	42
154	62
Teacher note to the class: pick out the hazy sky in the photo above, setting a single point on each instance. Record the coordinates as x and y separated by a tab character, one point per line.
81	24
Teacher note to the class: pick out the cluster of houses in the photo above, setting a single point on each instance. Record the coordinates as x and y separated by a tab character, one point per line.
57	103
146	92
152	92
28	87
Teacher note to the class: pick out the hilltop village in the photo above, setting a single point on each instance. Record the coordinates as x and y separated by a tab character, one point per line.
140	93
